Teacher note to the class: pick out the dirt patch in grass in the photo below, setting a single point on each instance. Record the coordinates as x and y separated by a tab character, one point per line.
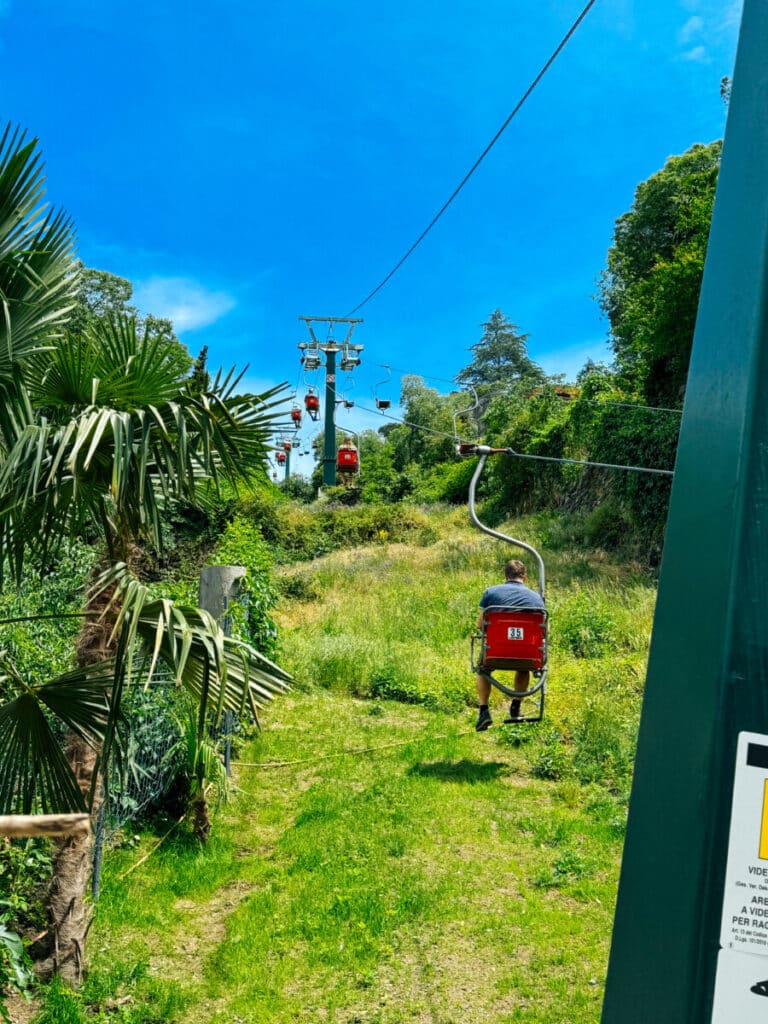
20	1010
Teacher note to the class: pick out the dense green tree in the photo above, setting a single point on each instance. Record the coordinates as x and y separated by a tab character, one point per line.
105	296
650	288
500	357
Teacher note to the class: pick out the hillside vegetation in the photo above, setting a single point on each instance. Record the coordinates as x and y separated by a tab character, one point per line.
381	861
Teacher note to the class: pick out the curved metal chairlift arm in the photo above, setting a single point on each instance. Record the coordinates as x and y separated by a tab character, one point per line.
463	412
484	451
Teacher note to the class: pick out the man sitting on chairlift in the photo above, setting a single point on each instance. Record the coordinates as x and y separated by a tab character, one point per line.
511	594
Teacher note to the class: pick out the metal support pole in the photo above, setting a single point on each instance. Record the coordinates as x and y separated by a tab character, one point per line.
219	585
287	464
680	953
329	440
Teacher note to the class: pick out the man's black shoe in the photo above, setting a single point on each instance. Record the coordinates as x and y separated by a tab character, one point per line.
514	712
483	719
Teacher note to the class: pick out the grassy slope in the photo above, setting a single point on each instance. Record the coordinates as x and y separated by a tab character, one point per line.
444	876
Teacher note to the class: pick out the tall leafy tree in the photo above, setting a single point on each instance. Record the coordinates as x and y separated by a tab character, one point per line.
500	357
101	295
650	287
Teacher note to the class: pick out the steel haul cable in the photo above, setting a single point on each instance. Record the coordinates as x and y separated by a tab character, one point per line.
524	455
480	159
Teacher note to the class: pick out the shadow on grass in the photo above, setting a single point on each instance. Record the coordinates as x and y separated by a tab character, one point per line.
460	771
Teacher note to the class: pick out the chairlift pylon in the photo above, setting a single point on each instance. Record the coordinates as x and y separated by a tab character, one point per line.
510	639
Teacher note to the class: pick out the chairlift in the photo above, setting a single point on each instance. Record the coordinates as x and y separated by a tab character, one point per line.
312	404
287	446
281	458
310	355
350	357
510	639
382	403
296	416
347	458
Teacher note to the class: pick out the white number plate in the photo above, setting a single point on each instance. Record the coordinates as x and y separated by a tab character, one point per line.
515	633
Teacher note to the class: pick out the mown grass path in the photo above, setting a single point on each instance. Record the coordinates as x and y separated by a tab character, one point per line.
437	881
444	876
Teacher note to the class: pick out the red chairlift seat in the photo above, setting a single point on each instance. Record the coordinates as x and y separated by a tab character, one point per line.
312	405
513	640
287	446
347	459
281	458
296	415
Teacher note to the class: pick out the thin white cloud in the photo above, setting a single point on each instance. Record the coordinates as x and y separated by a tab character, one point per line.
697	55
184	301
690	30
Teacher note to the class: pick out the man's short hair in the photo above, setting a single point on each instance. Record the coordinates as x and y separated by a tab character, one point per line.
514	569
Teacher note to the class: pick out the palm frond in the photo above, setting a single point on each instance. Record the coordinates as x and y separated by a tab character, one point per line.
219	671
34	771
38	279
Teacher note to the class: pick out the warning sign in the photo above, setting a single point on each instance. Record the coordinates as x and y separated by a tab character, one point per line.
745	903
741	982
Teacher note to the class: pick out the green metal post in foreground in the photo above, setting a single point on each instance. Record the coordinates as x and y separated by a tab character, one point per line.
329	439
708	670
287	464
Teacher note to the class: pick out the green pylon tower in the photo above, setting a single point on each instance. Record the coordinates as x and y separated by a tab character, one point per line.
690	944
349	356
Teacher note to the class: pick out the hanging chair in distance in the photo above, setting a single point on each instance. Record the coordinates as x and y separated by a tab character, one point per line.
281	458
382	403
347	458
296	416
312	405
510	639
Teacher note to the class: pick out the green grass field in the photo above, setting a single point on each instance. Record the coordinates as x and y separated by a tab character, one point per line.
400	867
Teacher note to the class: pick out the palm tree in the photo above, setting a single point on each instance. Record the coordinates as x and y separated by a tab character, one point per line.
97	433
100	432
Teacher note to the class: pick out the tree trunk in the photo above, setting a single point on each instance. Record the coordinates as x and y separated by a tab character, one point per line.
201	821
69	913
68	909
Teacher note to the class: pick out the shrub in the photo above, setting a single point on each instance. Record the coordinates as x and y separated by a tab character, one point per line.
549	757
243	544
604	742
585	625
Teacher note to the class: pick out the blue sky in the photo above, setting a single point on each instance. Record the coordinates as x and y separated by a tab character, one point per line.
244	163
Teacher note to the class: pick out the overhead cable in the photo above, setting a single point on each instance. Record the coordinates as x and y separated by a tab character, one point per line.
480	159
507	391
524	455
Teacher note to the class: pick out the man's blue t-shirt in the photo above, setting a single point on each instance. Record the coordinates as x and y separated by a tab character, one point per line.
511	595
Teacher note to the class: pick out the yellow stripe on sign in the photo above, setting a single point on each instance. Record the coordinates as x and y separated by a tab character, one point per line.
764	825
